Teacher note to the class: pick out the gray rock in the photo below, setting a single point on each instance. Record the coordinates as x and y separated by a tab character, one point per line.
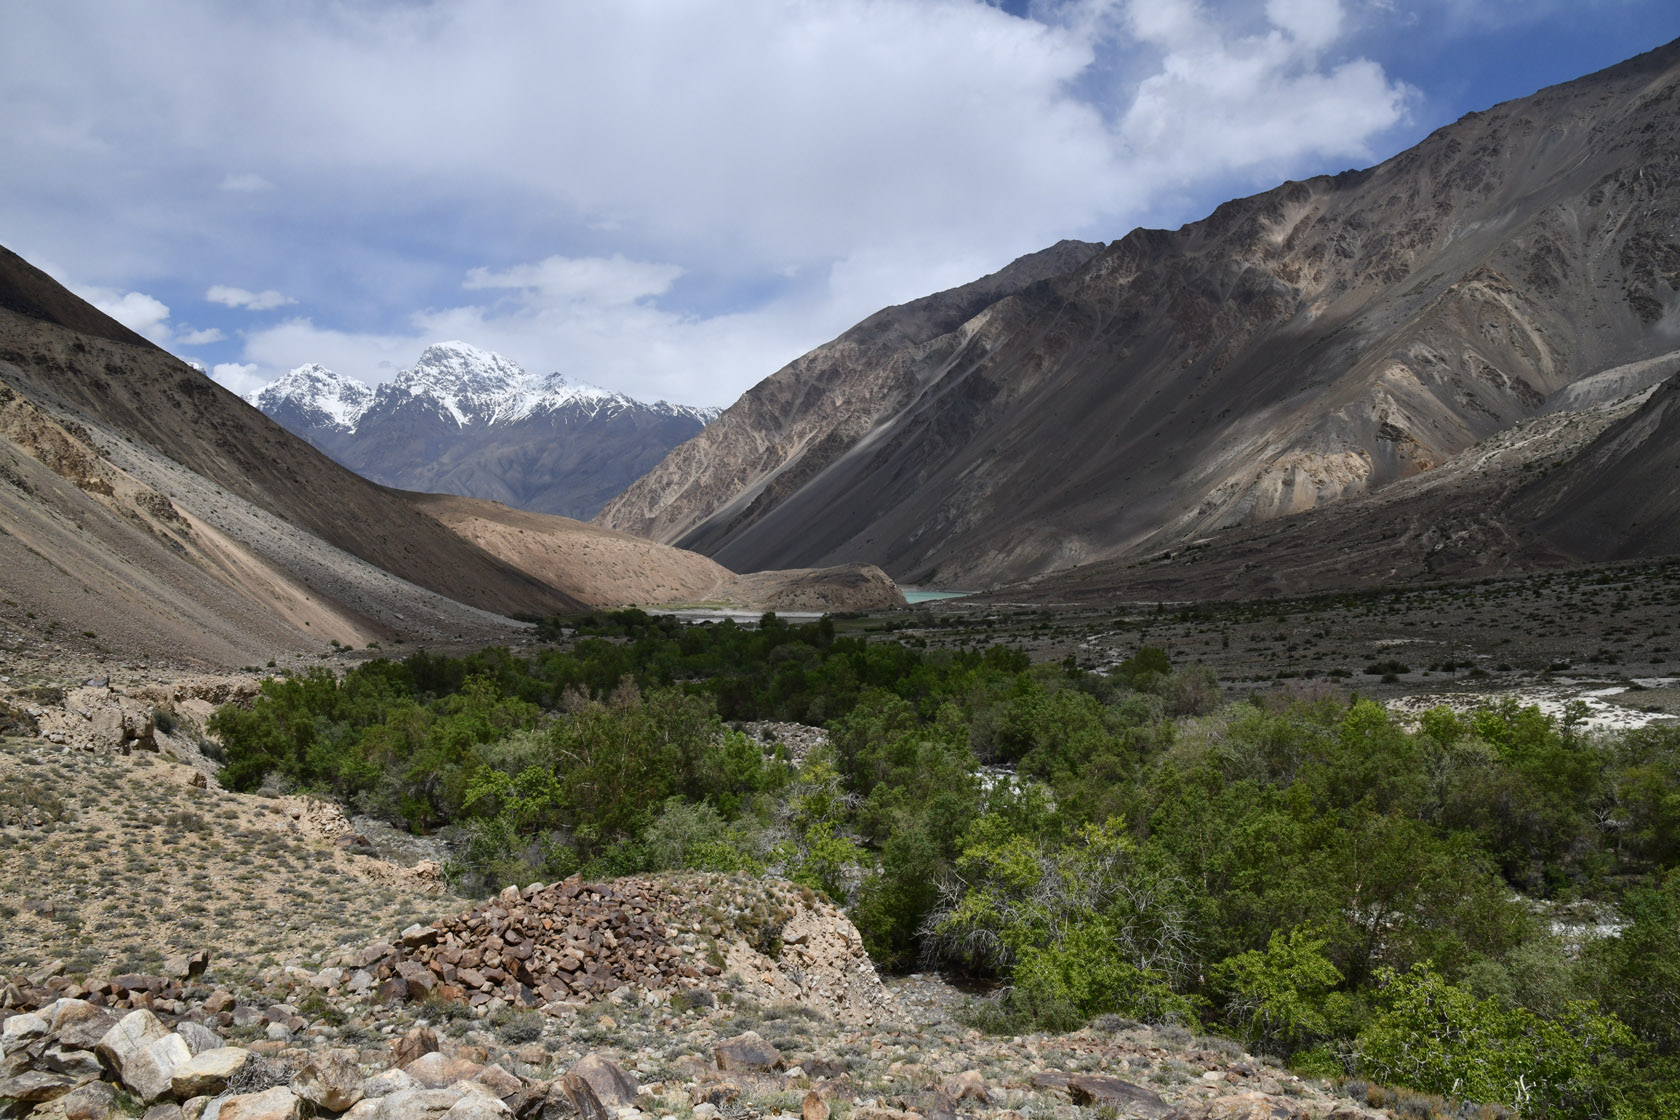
79	1063
388	1082
148	1073
199	1037
331	1079
37	1085
168	1110
598	1088
278	1032
127	1038
1095	1089
419	1104
20	1030
90	1102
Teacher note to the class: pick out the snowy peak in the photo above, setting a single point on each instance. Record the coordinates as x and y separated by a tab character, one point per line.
321	397
472	385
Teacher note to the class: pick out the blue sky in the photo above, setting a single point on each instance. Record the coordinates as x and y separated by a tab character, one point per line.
675	197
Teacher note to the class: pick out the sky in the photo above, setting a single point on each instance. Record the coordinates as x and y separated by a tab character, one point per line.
674	198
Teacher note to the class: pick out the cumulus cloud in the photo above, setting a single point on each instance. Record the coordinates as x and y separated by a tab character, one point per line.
137	311
243	378
640	193
200	338
251	301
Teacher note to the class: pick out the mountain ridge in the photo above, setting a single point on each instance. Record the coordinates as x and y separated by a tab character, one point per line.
1296	348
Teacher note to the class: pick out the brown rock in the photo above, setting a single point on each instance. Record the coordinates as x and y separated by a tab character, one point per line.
278	1103
168	1110
79	1025
968	1085
37	1085
187	966
417	1042
218	1002
1250	1106
90	1102
813	1107
747	1052
499	1081
208	1073
438	1070
331	1079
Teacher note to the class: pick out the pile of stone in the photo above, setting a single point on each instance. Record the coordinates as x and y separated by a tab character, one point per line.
164	993
569	942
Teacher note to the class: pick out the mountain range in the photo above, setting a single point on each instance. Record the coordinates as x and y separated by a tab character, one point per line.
1302	364
146	509
470	422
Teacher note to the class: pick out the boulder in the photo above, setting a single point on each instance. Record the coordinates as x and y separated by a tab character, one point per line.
414	1044
207	1073
128	1037
278	1103
598	1088
747	1052
92	1101
79	1025
437	1070
77	1063
388	1082
418	1104
813	1107
187	966
968	1085
168	1110
21	1030
331	1079
199	1037
36	1085
1095	1089
148	1074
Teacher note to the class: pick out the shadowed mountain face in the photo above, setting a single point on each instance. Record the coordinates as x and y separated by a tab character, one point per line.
1314	345
139	495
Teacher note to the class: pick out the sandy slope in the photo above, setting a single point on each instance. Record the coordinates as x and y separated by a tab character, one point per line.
608	568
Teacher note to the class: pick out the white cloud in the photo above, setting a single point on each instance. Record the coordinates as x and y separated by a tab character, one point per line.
137	311
200	338
251	301
669	199
1224	101
245	181
597	280
241	377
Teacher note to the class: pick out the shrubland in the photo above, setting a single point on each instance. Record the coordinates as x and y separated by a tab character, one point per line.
1486	907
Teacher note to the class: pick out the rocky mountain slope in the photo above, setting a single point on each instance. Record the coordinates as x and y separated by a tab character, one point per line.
146	508
1321	342
465	421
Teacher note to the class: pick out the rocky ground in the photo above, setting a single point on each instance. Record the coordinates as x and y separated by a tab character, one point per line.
179	952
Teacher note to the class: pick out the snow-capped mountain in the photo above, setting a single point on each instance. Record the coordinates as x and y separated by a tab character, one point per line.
316	396
468	421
